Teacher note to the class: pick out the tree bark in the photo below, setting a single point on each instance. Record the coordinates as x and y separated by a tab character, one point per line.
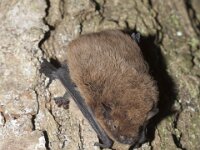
30	30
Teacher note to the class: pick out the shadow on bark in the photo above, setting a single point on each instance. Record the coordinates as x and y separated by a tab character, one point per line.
166	85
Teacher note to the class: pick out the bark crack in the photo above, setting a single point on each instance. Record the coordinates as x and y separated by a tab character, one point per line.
97	5
51	28
46	36
193	17
46	140
37	111
33	122
3	118
81	145
177	135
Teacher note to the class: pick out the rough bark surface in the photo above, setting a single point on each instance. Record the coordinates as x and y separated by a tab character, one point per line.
31	30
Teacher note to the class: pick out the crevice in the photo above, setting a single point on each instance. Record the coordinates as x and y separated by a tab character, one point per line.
177	142
193	57
63	143
46	140
126	23
177	138
97	5
99	8
176	116
4	118
62	5
46	36
193	17
196	26
33	122
81	27
50	111
37	100
150	4
53	61
47	9
81	146
37	111
51	28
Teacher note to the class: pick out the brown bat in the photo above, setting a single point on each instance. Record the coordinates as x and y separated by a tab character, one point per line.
115	91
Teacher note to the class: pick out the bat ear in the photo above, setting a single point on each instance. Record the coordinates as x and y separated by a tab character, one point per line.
136	37
152	113
106	110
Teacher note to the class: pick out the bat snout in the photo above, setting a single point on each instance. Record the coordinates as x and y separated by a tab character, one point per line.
141	139
126	140
134	141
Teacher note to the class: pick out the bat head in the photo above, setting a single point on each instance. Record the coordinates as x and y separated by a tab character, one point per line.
126	129
126	117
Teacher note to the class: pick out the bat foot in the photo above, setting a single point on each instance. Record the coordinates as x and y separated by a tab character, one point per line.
62	101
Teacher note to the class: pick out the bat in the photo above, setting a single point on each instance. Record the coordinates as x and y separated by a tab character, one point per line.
115	91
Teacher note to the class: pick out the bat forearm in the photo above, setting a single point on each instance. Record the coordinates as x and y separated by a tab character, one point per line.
63	75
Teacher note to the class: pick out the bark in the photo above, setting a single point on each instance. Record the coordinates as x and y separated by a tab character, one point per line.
31	30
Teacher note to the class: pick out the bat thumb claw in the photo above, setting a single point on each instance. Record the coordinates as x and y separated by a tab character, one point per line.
48	69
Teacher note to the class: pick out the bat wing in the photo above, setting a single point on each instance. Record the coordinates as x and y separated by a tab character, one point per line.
62	73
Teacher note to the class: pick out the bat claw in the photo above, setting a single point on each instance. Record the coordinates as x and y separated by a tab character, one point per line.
62	101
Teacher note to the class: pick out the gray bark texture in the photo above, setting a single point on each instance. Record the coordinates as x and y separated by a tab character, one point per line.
32	30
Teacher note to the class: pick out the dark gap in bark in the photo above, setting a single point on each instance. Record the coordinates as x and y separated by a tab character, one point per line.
4	119
48	33
177	142
97	5
81	138
47	140
150	3
33	121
